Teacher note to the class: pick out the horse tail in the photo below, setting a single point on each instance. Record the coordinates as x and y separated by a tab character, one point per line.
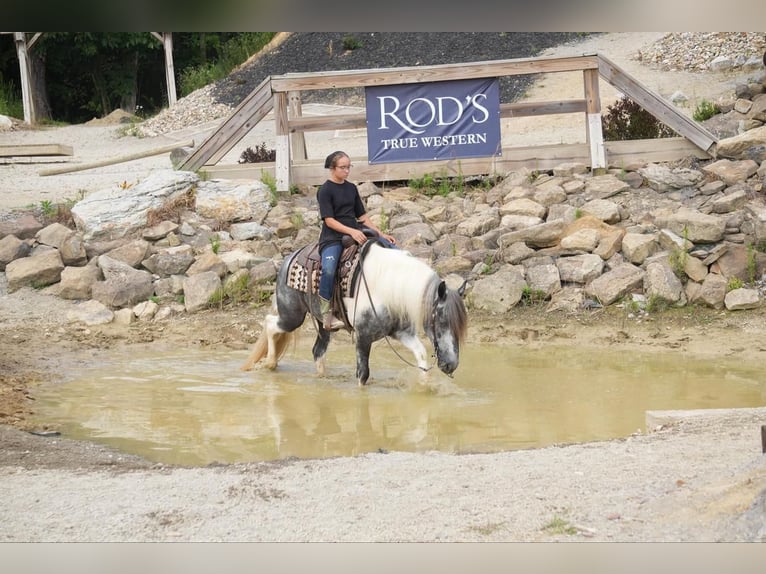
261	349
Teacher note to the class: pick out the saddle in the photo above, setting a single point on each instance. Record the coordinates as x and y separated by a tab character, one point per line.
305	270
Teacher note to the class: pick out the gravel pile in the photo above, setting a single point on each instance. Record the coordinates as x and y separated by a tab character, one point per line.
696	51
321	51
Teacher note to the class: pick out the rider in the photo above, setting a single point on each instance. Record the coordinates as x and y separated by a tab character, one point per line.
342	213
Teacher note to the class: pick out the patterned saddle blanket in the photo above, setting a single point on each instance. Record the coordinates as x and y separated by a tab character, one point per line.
305	269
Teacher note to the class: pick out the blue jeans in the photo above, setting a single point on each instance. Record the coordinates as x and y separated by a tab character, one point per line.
330	259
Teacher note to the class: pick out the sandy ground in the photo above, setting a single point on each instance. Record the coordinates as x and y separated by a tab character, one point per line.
698	478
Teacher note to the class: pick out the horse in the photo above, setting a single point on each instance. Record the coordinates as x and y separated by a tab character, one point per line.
394	295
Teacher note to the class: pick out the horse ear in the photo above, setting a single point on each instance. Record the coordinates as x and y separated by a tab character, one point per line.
442	290
461	289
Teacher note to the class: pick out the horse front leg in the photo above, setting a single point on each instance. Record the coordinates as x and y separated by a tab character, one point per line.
410	340
320	348
363	346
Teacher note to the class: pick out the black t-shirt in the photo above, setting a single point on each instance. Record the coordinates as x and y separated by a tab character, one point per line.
340	201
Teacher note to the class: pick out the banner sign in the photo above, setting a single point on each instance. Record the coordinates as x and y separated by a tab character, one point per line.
435	120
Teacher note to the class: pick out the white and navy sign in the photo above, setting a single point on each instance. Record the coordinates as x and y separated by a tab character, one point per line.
435	120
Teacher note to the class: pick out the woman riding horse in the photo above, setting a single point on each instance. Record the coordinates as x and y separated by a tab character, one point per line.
342	213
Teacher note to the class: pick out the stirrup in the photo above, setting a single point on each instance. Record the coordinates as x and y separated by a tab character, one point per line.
331	323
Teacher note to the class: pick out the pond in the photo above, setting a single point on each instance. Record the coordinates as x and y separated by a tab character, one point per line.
196	407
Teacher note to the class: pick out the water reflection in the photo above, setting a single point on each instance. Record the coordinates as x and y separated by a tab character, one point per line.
197	407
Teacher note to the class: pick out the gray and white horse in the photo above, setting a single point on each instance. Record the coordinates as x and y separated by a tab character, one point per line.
396	295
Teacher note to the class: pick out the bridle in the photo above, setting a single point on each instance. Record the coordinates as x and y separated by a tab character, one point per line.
375	312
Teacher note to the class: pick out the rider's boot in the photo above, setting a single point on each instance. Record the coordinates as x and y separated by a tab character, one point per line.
331	323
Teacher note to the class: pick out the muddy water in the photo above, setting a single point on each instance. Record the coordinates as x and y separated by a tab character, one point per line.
196	407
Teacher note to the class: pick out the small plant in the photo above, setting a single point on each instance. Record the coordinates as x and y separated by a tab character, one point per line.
734	283
294	189
154	299
215	243
578	213
530	296
296	219
351	42
626	120
705	110
260	154
558	525
47	207
271	182
384	221
656	304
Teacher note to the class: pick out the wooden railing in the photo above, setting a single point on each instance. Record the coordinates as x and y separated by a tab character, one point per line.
282	96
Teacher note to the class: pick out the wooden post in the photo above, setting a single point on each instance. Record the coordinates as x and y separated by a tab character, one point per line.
170	76
593	119
763	427
282	163
297	139
26	86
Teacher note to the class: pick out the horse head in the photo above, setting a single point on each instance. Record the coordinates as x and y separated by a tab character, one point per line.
446	326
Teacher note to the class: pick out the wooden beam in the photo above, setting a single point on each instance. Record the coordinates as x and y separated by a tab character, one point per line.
417	74
114	160
297	139
247	114
356	121
170	75
20	39
34	150
595	134
618	153
656	105
282	174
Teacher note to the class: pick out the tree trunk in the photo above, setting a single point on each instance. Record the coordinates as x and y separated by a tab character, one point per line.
39	86
129	97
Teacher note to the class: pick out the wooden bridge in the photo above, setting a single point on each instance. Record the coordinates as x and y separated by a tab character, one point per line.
282	96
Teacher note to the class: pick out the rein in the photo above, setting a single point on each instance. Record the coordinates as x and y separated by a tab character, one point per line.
372	305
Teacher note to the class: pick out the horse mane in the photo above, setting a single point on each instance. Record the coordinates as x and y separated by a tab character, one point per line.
408	287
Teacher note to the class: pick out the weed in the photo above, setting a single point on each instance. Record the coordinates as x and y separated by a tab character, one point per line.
271	182
384	221
705	110
558	525
296	219
530	296
47	207
215	243
734	283
656	304
351	42
578	213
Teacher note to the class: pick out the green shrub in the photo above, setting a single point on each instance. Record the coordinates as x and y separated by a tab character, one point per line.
10	101
626	120
705	110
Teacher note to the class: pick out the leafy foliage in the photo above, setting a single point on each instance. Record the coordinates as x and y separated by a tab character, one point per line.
705	110
258	155
626	120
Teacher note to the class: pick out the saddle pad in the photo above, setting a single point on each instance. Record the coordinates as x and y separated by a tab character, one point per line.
305	269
